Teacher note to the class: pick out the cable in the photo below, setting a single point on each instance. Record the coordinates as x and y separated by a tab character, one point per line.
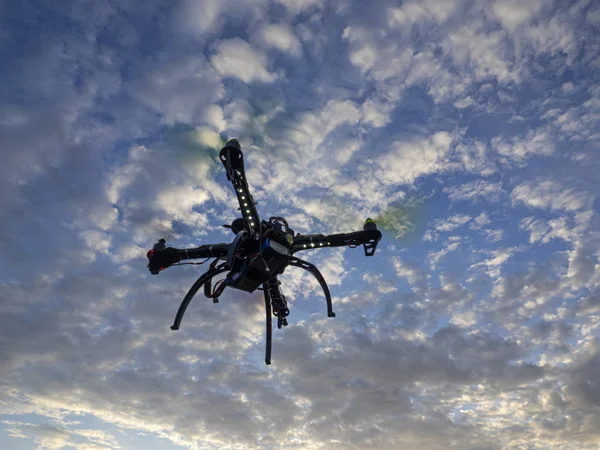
190	263
218	289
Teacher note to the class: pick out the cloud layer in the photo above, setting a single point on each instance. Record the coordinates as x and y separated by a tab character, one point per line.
469	130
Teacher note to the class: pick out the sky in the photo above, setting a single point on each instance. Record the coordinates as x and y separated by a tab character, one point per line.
468	129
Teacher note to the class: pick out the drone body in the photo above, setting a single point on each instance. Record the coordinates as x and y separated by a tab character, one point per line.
260	251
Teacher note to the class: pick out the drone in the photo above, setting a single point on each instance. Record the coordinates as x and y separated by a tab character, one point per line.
260	251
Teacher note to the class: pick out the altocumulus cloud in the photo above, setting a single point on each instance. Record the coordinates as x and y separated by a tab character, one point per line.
471	127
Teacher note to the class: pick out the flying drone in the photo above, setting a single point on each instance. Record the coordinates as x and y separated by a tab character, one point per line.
260	251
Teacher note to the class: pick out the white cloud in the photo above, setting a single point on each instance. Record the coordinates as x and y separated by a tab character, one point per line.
208	138
478	190
280	36
578	123
464	319
127	252
520	149
480	221
178	202
179	89
554	37
435	257
452	223
96	240
493	264
387	64
446	225
465	102
384	286
408	14
514	13
298	6
474	156
310	129
442	83
410	271
201	16
412	158
213	116
582	263
549	194
414	12
593	17
376	113
540	230
59	435
494	235
482	52
236	58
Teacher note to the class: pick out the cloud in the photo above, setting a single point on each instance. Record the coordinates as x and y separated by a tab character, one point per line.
201	16
480	332
549	194
178	89
483	51
96	240
478	190
411	272
412	158
435	257
493	264
519	150
281	37
513	14
414	12
541	230
446	225
236	58
299	6
60	436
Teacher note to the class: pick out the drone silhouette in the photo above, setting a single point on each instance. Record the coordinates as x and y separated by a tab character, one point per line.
260	251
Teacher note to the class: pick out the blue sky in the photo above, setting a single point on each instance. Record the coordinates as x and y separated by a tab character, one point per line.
469	130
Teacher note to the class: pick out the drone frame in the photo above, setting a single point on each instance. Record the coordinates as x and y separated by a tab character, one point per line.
275	304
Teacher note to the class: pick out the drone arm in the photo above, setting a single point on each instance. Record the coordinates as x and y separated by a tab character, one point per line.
232	158
368	238
204	251
161	257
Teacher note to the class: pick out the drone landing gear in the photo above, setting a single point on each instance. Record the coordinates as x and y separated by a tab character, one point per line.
206	277
297	262
276	304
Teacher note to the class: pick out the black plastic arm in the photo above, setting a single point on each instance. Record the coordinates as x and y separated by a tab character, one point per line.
195	288
368	238
297	262
161	257
233	159
204	251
